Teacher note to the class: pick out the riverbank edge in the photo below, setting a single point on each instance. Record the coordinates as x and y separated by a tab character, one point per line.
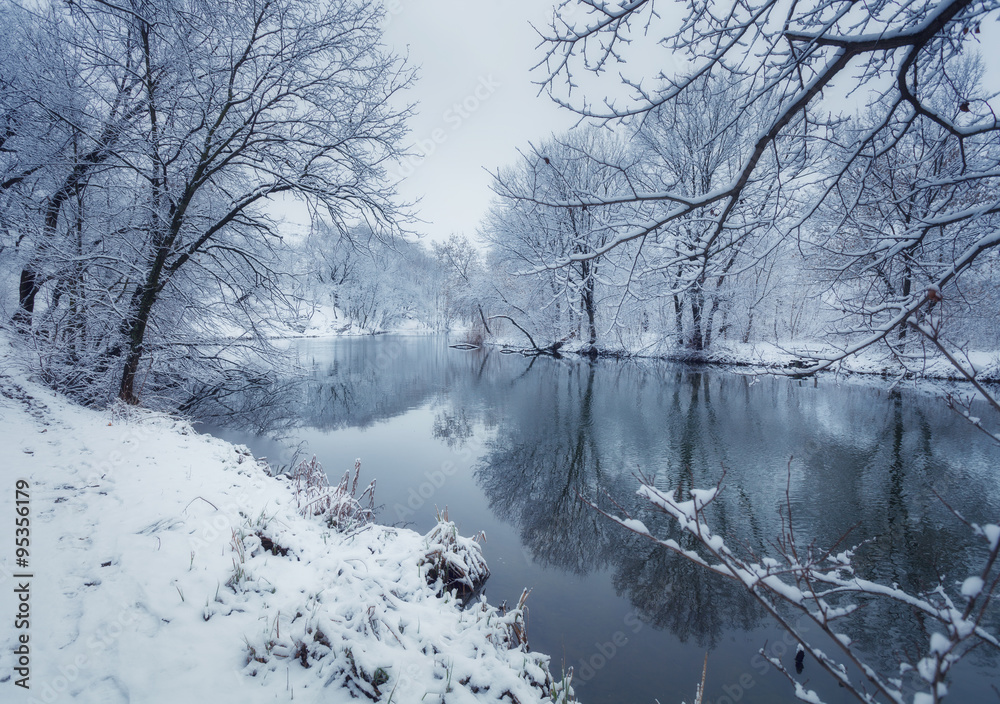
783	360
787	359
168	565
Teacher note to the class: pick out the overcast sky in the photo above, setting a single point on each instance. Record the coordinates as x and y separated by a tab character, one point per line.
477	102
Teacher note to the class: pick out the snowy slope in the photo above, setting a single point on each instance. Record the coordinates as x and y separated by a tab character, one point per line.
150	583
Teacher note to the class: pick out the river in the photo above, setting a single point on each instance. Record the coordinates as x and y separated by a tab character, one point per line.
508	444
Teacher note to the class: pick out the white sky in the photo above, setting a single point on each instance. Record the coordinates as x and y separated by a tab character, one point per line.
475	54
478	103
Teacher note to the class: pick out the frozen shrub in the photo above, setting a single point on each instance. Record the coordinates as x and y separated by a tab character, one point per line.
454	562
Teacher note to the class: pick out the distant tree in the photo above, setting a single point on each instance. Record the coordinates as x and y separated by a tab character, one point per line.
375	285
460	267
691	146
531	233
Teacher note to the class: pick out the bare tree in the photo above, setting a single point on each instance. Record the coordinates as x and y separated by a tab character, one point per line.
64	113
903	202
530	232
874	239
690	146
211	111
795	65
461	276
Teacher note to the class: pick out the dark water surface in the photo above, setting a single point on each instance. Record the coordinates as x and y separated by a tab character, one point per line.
507	443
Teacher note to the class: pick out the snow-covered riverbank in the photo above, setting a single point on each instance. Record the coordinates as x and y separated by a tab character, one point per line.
789	356
167	566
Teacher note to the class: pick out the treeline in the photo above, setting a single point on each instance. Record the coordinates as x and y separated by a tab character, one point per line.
624	238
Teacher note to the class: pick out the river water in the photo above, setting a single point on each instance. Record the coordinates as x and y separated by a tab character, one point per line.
509	443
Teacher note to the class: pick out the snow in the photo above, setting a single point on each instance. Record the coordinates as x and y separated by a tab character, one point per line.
635	525
992	533
806	695
151	580
972	587
940	643
789	592
703	497
785	357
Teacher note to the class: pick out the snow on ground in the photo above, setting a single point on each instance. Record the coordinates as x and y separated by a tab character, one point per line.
328	321
158	575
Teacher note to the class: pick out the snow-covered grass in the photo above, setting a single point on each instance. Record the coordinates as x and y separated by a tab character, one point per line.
169	566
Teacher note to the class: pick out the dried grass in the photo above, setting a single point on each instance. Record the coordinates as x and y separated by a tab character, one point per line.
341	507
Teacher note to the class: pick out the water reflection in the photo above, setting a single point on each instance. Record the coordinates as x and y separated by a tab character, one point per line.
851	460
534	475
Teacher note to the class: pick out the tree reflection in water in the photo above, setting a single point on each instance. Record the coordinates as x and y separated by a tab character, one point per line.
534	475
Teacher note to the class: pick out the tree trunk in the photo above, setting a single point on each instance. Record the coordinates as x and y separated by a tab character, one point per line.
588	305
907	287
710	321
748	331
136	334
135	325
679	320
28	289
697	305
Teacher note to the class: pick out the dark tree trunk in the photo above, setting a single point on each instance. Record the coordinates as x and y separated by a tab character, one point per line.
136	334
679	320
907	287
134	326
588	305
697	305
28	289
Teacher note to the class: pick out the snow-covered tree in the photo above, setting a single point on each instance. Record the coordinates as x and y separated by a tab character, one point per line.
871	146
797	72
362	280
461	273
690	146
194	118
535	221
878	240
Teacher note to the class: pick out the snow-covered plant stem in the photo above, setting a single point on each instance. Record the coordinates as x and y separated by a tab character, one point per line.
817	584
